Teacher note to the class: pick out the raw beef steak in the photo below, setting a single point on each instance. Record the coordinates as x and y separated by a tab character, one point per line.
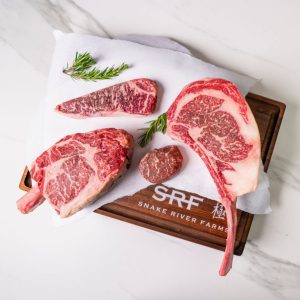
160	164
78	169
216	122
134	97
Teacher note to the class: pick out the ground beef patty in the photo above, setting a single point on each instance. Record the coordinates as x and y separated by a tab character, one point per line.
160	164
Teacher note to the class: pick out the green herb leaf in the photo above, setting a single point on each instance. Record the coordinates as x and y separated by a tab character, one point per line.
158	125
81	69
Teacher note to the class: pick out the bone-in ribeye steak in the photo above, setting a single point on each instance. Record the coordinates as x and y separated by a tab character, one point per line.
134	97
160	164
78	169
216	122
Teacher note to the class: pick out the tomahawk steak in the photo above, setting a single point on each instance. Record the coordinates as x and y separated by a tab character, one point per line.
134	97
78	169
214	119
160	164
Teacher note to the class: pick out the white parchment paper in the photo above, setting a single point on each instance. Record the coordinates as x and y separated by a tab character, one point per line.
172	68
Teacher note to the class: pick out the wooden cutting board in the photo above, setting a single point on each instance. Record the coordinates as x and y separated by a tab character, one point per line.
186	215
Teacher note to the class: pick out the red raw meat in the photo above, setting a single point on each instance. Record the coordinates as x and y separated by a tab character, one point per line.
214	119
78	169
160	164
134	97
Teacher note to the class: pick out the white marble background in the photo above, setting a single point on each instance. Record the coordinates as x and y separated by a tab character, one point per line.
101	258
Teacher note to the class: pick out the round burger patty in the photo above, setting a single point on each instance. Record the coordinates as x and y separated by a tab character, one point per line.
160	164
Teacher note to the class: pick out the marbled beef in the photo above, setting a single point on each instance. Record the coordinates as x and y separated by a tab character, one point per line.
214	119
160	164
78	169
134	97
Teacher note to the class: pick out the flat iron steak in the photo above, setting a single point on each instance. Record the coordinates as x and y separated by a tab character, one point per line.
134	97
160	164
214	119
78	169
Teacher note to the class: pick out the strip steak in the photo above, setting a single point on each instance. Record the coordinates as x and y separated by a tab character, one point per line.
78	169
134	97
214	119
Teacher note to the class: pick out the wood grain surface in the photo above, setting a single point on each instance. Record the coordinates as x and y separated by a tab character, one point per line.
186	215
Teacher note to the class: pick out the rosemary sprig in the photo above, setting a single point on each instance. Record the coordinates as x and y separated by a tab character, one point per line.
107	73
158	125
81	62
80	69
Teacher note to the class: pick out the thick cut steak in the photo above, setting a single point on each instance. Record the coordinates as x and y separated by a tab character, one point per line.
216	122
78	169
134	97
160	164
